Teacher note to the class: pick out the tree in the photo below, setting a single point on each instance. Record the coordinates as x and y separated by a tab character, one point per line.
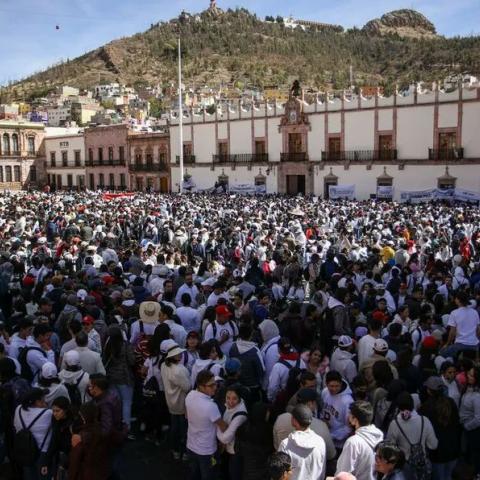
156	107
279	19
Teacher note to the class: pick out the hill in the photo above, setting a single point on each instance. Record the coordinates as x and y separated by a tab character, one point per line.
236	46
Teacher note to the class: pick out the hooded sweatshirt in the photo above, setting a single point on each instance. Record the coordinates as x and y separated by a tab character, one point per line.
73	377
341	320
469	406
253	368
358	456
343	362
308	454
271	336
213	365
176	381
335	413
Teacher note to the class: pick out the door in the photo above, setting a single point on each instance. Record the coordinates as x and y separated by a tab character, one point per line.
385	146
163	184
140	183
447	142
326	192
296	184
334	148
295	143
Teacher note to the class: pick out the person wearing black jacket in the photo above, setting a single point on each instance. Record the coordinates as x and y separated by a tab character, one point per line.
442	411
61	442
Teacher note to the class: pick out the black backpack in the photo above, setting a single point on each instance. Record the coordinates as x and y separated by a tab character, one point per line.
74	392
26	370
294	371
25	448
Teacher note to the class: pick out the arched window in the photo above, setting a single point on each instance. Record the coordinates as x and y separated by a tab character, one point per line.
16	173
6	144
15	146
110	153
8	173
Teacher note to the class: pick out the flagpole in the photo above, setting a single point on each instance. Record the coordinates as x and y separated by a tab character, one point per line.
180	113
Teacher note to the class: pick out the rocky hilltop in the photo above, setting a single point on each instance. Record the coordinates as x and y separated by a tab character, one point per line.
406	23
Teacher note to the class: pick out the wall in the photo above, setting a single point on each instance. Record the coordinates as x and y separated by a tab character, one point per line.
414	132
359	130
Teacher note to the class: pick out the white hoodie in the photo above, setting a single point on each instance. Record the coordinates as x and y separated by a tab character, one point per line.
335	413
358	456
73	377
342	362
228	436
308	453
215	368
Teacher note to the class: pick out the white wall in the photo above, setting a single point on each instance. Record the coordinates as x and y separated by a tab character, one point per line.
223	131
259	126
359	130
316	137
385	119
471	131
447	116
334	123
274	140
414	132
241	137
204	138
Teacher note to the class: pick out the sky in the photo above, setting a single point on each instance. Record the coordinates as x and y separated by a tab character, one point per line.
30	42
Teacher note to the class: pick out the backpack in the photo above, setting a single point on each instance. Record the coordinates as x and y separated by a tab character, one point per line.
74	392
232	326
141	348
418	461
26	371
293	370
25	448
151	388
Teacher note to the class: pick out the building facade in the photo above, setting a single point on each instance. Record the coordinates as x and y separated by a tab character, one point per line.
65	158
408	142
149	161
22	155
106	148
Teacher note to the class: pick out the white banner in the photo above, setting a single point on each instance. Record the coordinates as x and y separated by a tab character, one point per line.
248	189
385	191
466	195
341	191
189	185
418	196
440	194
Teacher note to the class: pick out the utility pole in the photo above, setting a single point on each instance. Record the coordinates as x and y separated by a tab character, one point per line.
180	113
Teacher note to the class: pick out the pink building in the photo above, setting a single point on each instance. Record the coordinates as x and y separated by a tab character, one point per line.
106	164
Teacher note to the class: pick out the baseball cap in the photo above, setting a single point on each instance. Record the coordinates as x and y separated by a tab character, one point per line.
429	342
88	320
166	345
72	358
345	341
222	310
49	370
233	365
434	383
361	331
380	345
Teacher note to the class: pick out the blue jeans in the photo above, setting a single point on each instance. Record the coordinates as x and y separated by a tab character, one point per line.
455	349
126	394
178	433
202	467
443	471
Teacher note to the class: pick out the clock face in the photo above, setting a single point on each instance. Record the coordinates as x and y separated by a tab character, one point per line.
293	116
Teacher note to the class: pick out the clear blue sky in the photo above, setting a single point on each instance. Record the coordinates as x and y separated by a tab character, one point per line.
29	41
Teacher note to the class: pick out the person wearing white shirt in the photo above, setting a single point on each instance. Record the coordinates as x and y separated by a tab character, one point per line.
270	336
222	329
188	316
365	344
447	374
203	418
19	340
34	415
149	313
464	323
188	287
178	333
218	292
39	351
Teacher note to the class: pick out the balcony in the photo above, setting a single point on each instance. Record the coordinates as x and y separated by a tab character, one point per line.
294	157
187	159
66	165
445	154
149	167
105	163
241	158
360	156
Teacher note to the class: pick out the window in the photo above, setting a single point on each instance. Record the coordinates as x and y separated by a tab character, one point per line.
59	182
110	153
222	149
81	181
101	180
15	146
92	181
162	157
149	159
385	147
122	180
100	154
6	144
187	149
64	159
90	155
31	145
121	153
53	161
111	182
1	175
8	173
16	173
138	159
33	173
70	181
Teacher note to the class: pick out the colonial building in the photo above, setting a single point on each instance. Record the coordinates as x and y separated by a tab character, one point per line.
65	158
22	155
406	142
149	161
106	163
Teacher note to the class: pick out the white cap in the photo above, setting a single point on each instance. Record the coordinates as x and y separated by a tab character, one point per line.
49	370
380	345
72	358
167	344
345	341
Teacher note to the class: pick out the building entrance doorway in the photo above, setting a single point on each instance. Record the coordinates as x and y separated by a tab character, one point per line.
295	184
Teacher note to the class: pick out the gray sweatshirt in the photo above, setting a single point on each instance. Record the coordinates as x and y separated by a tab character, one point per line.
470	409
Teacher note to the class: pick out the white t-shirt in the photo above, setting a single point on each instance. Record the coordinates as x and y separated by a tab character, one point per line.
466	321
202	413
41	430
365	348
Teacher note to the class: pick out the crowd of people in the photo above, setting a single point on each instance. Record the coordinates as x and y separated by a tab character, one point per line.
250	337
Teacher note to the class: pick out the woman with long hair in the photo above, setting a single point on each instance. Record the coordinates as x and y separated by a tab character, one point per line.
119	360
470	416
390	461
89	459
442	411
317	363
